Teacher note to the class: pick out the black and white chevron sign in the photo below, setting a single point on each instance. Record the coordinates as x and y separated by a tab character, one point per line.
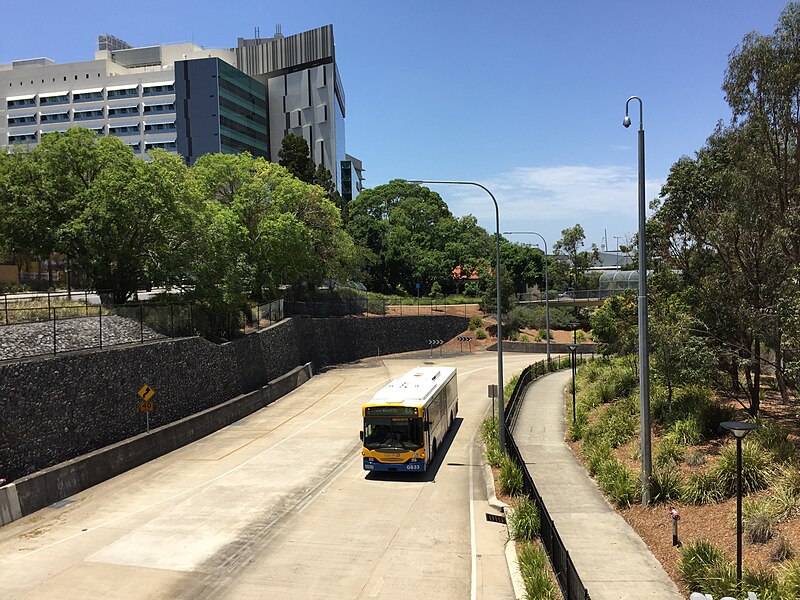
464	338
435	342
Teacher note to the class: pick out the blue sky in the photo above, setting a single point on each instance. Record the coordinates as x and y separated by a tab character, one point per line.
526	97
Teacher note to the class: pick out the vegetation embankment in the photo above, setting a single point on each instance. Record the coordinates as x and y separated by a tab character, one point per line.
694	472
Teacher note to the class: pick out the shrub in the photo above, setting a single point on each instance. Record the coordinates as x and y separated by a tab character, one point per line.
764	582
695	459
525	520
511	477
703	488
534	568
782	551
577	428
774	439
755	468
620	484
790	582
686	431
480	334
475	323
669	453
705	568
597	454
625	381
665	485
711	414
758	521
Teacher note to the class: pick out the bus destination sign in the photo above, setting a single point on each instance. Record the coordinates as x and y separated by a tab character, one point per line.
390	411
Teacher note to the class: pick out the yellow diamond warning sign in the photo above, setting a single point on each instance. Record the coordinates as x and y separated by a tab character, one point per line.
146	393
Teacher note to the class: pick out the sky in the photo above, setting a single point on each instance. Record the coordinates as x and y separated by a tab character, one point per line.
523	96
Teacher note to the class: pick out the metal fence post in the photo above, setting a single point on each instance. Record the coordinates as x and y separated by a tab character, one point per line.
191	321
100	309
5	296
258	316
141	323
86	301
171	320
54	332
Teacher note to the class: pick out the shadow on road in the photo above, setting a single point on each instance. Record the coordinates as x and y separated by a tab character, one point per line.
433	469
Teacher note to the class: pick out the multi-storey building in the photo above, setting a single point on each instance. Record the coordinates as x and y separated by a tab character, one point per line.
188	99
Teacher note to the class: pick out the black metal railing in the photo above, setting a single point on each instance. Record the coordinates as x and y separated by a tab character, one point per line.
569	581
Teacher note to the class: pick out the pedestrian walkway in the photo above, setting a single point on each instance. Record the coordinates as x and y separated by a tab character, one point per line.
611	560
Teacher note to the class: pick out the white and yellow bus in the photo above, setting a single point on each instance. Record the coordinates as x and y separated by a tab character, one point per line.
406	421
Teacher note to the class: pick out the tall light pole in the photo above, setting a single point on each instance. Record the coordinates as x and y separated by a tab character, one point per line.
546	286
501	433
739	430
644	355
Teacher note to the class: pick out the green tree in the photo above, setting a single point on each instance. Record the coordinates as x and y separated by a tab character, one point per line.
615	325
295	156
571	242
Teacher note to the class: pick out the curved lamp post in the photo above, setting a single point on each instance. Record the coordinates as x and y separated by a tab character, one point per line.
501	435
644	356
546	286
739	430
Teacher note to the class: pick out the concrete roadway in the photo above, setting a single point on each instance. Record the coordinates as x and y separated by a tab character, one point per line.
278	506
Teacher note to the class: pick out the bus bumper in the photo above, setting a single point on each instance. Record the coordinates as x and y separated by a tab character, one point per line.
398	467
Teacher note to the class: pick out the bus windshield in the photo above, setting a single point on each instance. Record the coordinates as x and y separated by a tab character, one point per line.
399	433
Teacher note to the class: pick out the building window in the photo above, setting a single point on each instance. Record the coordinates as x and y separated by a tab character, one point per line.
123	111
22	103
88	96
22	120
159	127
158	90
50	100
55	117
22	138
159	108
126	93
163	145
85	115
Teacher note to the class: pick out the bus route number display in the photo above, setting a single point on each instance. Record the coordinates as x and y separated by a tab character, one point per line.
390	411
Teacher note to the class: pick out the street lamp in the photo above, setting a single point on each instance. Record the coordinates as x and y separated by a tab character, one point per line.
644	357
501	434
546	287
739	430
572	349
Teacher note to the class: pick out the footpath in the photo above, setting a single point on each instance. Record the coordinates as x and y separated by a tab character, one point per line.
611	560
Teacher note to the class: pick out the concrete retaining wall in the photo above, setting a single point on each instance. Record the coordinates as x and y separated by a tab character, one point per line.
84	404
29	494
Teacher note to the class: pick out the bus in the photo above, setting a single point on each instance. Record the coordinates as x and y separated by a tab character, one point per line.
406	421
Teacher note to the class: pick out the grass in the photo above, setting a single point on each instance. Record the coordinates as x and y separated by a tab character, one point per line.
525	520
494	456
535	570
758	520
666	485
756	468
511	477
669	453
618	482
37	310
703	488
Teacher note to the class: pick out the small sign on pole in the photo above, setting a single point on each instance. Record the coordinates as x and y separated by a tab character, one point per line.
146	405
493	394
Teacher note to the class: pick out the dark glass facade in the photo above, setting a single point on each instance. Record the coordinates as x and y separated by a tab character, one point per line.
219	109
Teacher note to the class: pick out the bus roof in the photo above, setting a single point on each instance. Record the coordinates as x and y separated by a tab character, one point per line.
415	388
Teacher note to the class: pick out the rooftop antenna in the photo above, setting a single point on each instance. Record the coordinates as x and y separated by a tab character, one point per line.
278	34
258	34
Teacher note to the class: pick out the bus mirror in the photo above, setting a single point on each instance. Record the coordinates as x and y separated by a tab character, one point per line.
361	435
427	425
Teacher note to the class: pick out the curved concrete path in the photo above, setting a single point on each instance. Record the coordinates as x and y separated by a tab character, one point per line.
612	561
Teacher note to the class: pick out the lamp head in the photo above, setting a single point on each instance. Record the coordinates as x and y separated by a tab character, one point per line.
739	430
626	122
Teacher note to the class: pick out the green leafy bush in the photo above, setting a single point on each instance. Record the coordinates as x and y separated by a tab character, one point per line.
775	439
534	568
790	580
758	521
756	468
686	431
475	323
705	568
619	484
666	485
704	487
597	454
525	520
511	477
669	453
764	582
480	334
782	551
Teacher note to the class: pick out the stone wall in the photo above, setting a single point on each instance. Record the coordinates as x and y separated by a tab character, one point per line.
57	408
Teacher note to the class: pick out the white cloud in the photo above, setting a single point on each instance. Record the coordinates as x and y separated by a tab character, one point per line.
596	197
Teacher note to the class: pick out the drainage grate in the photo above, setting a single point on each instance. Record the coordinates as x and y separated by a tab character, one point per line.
495	518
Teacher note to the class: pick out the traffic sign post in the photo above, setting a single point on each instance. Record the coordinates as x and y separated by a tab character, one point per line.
462	339
433	343
493	395
146	405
